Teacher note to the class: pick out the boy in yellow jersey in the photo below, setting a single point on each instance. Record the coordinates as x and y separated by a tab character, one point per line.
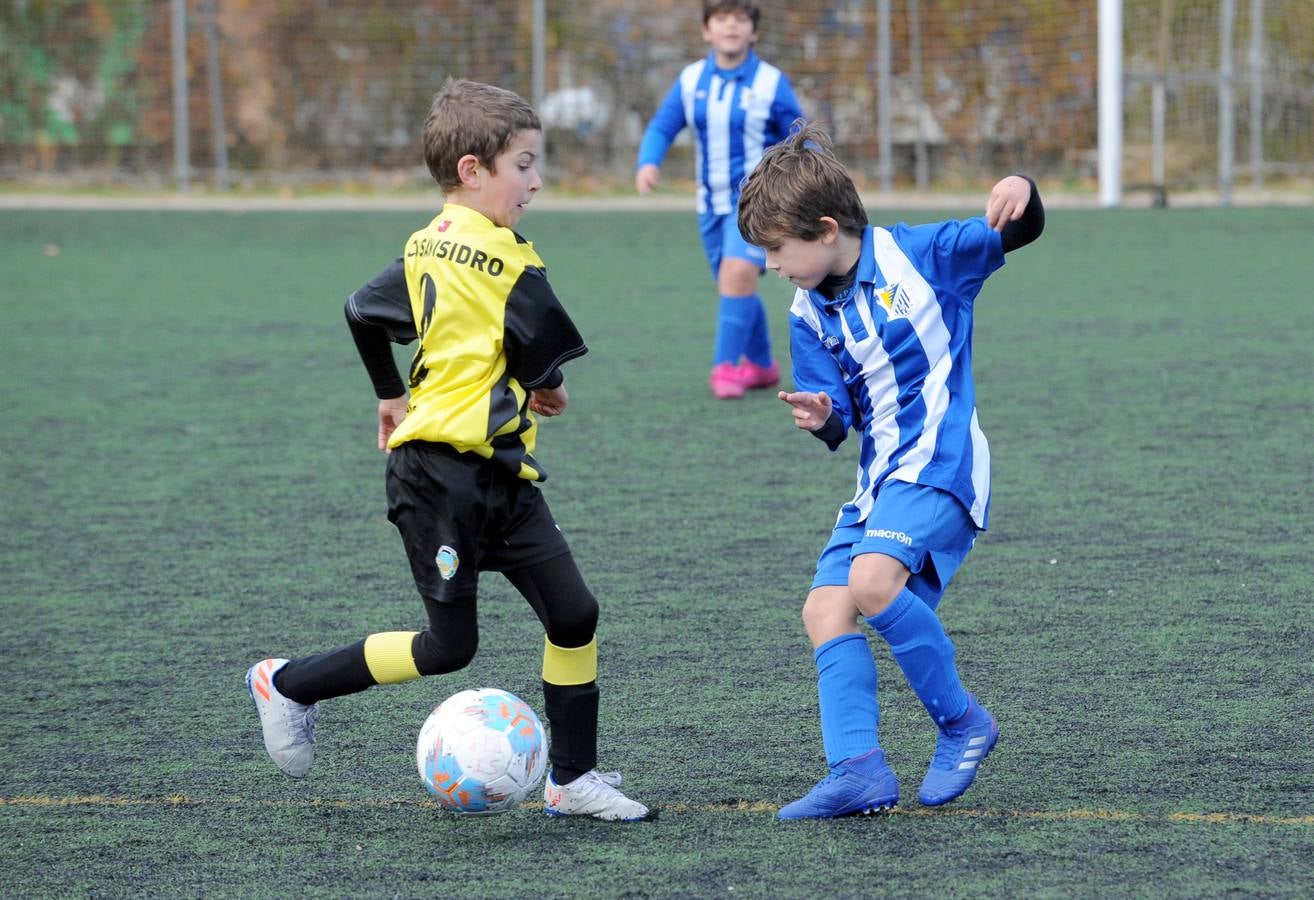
461	480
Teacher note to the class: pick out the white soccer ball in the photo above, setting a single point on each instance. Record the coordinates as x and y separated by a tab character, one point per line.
481	751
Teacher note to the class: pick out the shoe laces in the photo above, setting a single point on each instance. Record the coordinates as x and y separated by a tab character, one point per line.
949	746
835	774
302	723
594	786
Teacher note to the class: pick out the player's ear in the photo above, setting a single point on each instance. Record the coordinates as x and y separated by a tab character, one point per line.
467	169
830	229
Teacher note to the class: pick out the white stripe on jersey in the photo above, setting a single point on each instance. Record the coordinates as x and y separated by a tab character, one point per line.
925	320
765	84
980	471
715	150
688	92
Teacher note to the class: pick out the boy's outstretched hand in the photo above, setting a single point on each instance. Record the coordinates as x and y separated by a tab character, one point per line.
391	413
1008	200
811	411
646	179
548	401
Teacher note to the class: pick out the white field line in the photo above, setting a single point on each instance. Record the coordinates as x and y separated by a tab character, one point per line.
737	806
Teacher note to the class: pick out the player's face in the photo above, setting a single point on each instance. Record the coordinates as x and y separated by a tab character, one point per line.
508	191
804	263
731	34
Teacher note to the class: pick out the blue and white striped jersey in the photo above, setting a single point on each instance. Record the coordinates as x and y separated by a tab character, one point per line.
735	114
894	353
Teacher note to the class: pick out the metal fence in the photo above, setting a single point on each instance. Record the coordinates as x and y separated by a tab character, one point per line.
259	93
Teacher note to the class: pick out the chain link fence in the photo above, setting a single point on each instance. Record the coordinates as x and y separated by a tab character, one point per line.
301	93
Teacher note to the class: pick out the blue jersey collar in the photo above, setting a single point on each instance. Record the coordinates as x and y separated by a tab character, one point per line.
742	72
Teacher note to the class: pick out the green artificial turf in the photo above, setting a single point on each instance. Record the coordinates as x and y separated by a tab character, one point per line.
190	483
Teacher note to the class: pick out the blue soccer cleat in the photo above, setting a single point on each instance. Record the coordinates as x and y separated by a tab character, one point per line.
958	754
862	784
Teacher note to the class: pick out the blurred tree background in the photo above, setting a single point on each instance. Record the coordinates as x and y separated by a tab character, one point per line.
320	92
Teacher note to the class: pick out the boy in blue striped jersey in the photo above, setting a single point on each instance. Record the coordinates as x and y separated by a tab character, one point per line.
881	338
737	106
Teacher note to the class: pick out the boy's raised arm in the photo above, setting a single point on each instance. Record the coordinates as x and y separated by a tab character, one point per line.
1015	210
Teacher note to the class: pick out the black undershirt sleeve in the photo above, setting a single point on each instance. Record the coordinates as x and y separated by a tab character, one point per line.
832	433
376	353
1025	229
378	315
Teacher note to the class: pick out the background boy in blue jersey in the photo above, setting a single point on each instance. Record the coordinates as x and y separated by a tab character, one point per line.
737	106
881	337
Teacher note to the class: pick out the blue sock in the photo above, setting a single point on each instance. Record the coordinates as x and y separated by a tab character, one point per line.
758	345
846	689
733	324
925	653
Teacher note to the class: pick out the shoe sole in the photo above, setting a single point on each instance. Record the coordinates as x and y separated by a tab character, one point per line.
864	810
650	816
872	810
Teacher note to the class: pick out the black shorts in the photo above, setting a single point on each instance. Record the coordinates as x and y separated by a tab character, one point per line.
460	514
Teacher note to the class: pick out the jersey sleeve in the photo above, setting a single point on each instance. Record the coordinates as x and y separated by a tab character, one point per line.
539	335
955	257
666	123
815	370
385	303
377	315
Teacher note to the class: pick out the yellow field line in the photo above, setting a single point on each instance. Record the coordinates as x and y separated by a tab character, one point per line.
740	806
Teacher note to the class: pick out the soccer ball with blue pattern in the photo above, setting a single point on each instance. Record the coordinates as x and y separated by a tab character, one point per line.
481	751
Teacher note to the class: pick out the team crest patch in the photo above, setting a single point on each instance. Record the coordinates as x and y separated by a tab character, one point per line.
447	561
895	299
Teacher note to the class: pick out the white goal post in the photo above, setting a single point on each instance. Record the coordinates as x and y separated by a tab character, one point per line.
1110	103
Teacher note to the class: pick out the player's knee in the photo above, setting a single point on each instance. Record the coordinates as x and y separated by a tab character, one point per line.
437	654
873	597
573	624
875	580
813	615
827	613
737	277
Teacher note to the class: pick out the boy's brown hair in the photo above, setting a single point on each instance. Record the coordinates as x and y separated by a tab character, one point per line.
714	7
796	183
468	117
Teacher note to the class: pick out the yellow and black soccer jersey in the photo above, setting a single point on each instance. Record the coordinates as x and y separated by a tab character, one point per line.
490	329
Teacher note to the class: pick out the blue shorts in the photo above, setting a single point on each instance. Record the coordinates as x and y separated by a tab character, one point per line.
722	240
924	528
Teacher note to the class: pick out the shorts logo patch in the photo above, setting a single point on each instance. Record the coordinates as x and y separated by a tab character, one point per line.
447	561
890	535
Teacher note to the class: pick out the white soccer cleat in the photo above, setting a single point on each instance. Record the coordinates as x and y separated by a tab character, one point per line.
592	794
289	726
